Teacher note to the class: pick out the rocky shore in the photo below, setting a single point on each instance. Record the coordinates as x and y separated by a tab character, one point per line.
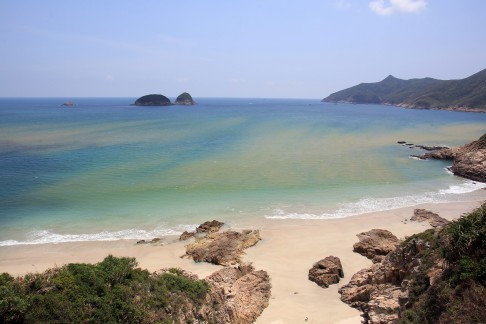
469	161
389	290
381	291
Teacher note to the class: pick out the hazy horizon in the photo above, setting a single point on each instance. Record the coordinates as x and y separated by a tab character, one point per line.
242	49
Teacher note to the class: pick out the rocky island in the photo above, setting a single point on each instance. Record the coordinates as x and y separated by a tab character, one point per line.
153	100
467	94
185	99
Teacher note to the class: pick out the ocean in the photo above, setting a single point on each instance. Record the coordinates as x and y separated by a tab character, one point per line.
106	170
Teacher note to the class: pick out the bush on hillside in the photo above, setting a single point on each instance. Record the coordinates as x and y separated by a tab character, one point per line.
110	291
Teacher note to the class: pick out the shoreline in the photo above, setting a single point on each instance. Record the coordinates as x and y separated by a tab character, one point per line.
287	251
408	106
460	193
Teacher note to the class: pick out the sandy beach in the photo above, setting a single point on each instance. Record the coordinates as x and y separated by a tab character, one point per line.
287	251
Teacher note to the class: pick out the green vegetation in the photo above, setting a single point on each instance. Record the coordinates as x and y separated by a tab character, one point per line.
153	100
112	291
427	93
184	96
185	99
459	294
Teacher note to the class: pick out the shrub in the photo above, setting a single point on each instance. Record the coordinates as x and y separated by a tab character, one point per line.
111	291
458	295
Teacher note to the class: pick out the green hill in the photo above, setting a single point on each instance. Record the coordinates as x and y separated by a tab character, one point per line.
467	94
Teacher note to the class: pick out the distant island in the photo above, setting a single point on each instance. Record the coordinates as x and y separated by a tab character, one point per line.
161	100
68	104
185	99
467	94
153	100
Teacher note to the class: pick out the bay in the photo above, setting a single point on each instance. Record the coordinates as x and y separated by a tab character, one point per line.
106	170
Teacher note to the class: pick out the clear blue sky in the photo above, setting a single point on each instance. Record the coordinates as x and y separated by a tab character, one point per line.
239	48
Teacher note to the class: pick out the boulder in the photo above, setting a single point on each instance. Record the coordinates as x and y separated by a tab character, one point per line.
245	292
186	235
375	244
222	248
153	100
326	271
185	99
156	240
206	227
422	215
209	227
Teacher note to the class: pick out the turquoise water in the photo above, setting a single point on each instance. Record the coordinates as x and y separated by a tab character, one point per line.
105	170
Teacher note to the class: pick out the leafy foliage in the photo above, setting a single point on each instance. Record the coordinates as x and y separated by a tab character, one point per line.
458	295
465	247
113	290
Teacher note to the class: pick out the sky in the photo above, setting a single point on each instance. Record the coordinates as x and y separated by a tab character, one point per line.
238	48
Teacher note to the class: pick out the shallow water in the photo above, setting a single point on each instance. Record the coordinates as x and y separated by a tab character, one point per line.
105	170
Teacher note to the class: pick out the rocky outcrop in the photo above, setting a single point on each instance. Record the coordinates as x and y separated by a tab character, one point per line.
381	291
222	248
186	235
206	227
156	240
375	244
243	292
422	215
209	227
185	99
236	295
441	154
422	147
153	100
326	271
469	161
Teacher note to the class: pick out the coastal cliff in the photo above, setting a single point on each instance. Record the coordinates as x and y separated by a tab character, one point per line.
469	161
467	94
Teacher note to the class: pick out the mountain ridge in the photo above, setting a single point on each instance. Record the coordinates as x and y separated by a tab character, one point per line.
468	94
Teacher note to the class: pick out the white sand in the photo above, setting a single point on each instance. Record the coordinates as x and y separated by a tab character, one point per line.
287	251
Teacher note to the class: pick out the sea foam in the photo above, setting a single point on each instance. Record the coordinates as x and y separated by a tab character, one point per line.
46	237
369	205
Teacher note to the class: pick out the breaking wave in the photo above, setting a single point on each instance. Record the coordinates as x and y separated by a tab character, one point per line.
369	205
45	236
